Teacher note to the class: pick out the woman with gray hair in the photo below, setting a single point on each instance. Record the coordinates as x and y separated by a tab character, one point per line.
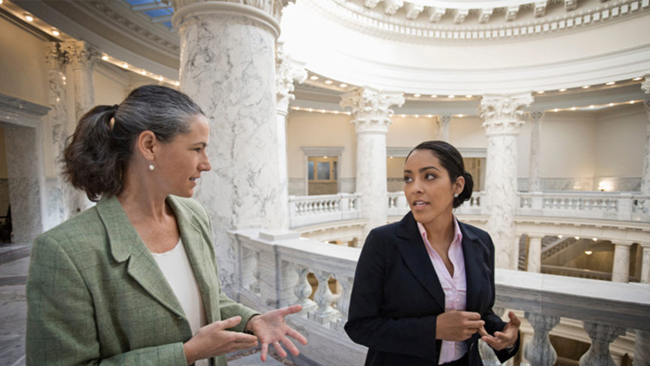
133	280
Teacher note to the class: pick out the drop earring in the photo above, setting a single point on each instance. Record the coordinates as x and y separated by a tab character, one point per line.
151	167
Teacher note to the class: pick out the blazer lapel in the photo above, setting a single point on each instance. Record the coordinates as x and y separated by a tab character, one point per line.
473	255
125	245
194	242
417	258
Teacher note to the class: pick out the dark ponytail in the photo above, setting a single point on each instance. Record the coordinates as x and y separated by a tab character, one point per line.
452	161
99	150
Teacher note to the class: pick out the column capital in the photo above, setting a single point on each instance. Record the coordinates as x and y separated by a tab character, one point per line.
371	108
287	71
645	86
503	113
81	55
55	57
262	11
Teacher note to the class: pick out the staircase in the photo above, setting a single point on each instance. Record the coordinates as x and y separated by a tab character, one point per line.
551	245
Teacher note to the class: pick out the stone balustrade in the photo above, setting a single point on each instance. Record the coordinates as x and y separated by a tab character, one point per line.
272	269
310	210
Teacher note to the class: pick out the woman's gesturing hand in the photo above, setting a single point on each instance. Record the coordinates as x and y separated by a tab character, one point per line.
270	328
214	340
457	325
505	338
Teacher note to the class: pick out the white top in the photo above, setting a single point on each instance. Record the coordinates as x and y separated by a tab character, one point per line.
176	267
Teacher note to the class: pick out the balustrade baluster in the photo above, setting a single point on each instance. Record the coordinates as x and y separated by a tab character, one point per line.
343	303
255	286
601	336
487	353
540	351
302	290
323	297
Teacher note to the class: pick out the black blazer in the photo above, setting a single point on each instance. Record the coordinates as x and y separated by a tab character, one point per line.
397	295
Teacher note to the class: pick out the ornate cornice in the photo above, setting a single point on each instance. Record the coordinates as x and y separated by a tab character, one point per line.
503	114
444	23
81	55
371	108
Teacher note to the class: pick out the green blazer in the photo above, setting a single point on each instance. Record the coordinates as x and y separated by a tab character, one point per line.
95	295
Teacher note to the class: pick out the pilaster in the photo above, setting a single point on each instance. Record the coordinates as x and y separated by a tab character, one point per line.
645	177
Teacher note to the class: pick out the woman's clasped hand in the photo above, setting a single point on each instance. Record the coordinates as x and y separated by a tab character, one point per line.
458	326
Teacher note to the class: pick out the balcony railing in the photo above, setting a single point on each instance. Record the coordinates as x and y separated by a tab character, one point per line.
312	210
273	268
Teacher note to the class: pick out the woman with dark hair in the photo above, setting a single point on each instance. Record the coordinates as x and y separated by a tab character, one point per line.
133	280
424	286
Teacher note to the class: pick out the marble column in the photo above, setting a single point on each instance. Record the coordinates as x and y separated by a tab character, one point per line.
534	253
82	58
502	121
645	177
286	73
534	184
601	336
237	91
370	109
539	351
55	60
443	133
642	341
621	270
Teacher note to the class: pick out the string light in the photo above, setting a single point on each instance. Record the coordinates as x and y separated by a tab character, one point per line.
105	57
55	32
610	83
468	96
562	90
328	82
540	92
417	95
343	85
451	96
29	17
313	77
586	87
434	96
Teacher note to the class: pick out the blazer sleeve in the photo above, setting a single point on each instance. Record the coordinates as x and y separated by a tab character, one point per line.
493	323
61	327
414	336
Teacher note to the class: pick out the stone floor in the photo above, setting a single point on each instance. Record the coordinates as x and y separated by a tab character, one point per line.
14	263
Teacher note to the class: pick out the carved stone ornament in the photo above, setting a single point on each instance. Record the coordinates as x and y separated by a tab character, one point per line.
81	55
55	57
286	73
413	10
371	108
645	86
502	114
435	14
392	6
278	6
370	3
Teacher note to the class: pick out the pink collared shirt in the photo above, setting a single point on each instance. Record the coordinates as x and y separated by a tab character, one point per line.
455	287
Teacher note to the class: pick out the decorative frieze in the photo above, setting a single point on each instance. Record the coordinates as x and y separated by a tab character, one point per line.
371	108
485	15
370	3
511	13
503	113
459	15
264	5
540	8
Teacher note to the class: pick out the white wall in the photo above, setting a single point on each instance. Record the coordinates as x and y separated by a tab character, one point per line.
410	131
620	140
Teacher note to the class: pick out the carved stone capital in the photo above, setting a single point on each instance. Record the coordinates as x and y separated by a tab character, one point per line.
537	116
371	108
286	73
55	57
266	12
81	55
645	86
503	113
